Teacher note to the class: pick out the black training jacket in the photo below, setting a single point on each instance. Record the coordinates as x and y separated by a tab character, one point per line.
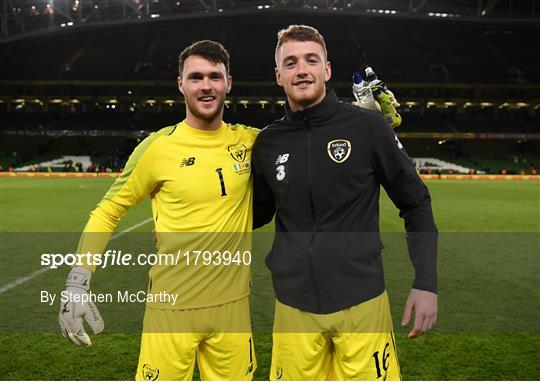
320	170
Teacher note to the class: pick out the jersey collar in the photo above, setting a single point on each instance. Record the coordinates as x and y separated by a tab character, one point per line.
317	113
202	133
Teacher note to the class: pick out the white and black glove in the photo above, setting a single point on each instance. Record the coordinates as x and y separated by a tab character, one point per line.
393	98
372	105
75	305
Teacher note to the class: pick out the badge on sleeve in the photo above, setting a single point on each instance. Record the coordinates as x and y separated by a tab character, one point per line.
339	150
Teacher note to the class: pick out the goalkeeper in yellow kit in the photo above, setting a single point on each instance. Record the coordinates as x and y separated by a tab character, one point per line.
198	176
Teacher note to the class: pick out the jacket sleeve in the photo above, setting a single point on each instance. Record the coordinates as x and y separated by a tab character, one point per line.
396	172
133	185
263	196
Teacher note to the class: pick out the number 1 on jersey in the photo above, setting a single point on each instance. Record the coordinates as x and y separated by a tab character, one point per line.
221	181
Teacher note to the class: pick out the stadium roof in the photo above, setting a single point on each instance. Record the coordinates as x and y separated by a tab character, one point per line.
30	17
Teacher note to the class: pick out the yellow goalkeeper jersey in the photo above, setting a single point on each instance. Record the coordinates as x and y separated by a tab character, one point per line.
200	187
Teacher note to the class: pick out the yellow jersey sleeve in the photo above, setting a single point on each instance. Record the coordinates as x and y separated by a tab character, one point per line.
134	184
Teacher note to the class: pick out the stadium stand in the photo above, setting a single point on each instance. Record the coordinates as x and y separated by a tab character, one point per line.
93	89
426	50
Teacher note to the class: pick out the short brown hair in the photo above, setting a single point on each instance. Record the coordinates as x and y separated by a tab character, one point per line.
211	50
300	33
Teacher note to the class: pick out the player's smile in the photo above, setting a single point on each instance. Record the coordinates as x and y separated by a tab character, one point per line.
207	101
303	84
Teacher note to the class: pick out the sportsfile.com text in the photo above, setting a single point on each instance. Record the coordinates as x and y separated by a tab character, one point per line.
114	257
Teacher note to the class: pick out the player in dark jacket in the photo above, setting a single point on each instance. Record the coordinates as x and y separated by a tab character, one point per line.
319	169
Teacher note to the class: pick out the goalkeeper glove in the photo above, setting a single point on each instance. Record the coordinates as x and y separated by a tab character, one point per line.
75	305
392	98
372	105
388	104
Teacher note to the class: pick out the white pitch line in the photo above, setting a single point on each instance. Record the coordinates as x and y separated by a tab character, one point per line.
130	228
22	280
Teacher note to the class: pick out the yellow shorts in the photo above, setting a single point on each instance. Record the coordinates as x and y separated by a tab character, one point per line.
219	337
353	344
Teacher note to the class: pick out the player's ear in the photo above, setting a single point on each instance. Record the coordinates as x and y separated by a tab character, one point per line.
179	82
229	85
328	71
278	77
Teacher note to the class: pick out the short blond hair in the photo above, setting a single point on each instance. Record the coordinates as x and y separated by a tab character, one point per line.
300	33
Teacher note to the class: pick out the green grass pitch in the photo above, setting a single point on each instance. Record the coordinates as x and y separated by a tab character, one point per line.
489	300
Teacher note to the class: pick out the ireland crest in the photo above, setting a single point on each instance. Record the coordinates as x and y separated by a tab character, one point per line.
238	152
339	150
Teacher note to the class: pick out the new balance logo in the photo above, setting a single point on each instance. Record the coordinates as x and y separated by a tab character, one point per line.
187	162
282	158
399	145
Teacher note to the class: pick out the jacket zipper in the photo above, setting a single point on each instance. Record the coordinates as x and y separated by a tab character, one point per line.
313	215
